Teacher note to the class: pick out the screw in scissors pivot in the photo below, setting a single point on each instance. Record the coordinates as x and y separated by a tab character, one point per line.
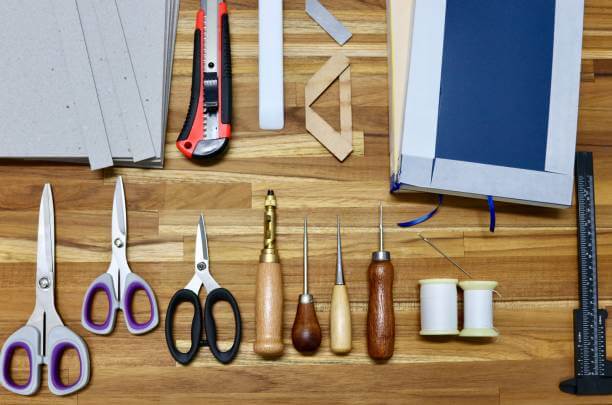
201	266
118	242
44	283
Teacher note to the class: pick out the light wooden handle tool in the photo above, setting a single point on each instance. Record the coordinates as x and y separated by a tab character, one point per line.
269	311
269	290
340	321
340	314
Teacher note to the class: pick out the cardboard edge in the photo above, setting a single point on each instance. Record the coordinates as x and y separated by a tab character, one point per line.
565	87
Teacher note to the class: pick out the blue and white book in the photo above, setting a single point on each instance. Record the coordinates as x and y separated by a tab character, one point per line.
492	97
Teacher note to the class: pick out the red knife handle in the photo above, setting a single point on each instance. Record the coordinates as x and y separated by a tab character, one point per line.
191	141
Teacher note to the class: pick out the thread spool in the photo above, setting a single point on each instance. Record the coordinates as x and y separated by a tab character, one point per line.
478	309
439	307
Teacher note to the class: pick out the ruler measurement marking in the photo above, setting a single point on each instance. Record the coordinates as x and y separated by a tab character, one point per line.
590	341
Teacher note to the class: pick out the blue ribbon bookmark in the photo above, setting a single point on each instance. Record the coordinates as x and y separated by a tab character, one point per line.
433	212
491	213
425	217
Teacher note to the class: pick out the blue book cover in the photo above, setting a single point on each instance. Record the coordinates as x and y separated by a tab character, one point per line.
496	77
492	99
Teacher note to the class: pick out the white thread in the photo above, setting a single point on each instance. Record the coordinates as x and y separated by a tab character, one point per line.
478	309
439	307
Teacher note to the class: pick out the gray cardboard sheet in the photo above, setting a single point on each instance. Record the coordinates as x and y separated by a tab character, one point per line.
170	45
124	80
146	42
83	85
467	178
43	94
328	22
34	65
95	72
107	94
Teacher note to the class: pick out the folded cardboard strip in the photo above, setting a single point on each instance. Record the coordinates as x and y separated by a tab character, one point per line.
340	144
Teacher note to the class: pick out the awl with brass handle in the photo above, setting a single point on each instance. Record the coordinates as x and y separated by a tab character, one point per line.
269	293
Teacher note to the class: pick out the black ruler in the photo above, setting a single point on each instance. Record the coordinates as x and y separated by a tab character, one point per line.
592	368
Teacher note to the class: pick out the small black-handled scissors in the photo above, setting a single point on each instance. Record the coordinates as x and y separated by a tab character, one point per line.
189	294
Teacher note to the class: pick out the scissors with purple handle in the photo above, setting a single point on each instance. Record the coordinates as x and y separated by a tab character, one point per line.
44	338
119	283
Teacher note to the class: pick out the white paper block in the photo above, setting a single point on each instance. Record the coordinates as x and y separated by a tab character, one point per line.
271	94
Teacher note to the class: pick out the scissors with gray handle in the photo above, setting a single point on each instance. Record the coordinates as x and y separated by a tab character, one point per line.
44	338
119	283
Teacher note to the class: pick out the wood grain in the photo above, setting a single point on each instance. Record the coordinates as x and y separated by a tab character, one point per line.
532	253
340	327
269	311
381	314
339	143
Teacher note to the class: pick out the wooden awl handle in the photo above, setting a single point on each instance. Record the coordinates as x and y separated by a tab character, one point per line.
269	311
381	317
306	332
340	321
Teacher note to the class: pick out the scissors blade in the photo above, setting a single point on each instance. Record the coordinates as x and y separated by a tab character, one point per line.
119	215
201	243
202	265
45	256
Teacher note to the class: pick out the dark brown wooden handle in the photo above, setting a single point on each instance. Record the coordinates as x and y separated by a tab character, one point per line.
306	332
381	317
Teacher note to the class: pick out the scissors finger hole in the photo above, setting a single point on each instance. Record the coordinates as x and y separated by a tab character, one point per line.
140	307
18	365
99	308
65	362
130	301
225	324
181	326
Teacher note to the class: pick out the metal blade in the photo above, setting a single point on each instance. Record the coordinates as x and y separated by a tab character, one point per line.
305	256
119	215
339	271
211	8
211	45
45	256
45	317
202	265
201	243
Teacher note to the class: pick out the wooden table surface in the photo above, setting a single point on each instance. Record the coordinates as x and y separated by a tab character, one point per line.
532	253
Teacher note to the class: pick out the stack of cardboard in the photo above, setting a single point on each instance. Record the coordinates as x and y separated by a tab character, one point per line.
86	80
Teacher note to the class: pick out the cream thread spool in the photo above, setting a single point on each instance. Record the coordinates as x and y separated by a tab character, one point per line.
478	309
439	307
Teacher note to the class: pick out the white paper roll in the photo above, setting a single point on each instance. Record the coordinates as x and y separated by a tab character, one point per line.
439	307
271	95
478	309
